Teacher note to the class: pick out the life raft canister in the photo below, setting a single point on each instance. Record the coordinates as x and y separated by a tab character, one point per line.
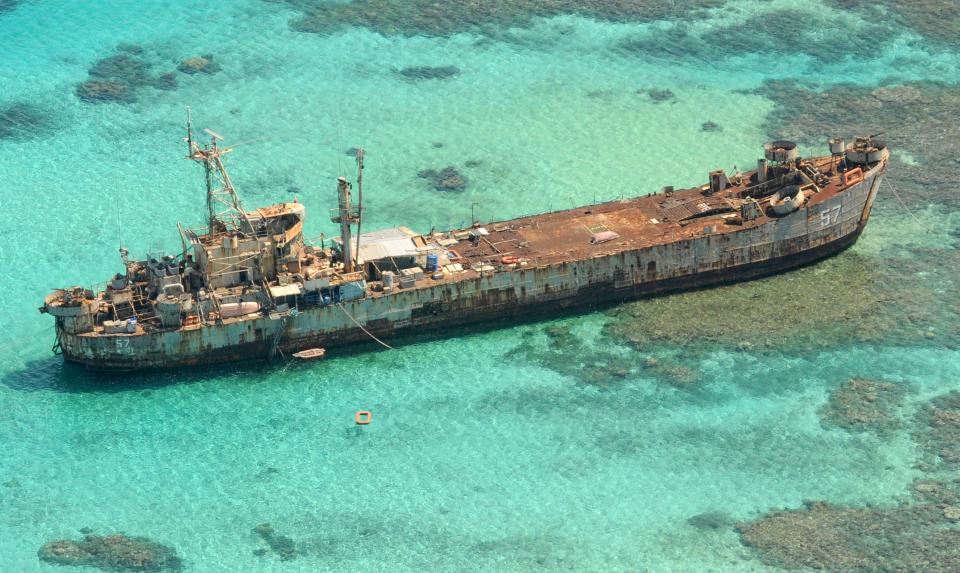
362	417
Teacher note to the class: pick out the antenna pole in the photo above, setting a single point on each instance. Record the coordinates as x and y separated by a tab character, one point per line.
211	206
189	133
359	200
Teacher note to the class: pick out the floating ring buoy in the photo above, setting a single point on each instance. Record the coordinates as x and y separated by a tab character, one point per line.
509	260
362	418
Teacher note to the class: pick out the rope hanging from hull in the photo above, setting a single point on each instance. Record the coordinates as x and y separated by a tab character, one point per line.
905	208
365	331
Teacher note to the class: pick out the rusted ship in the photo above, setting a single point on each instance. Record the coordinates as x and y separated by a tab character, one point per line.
248	286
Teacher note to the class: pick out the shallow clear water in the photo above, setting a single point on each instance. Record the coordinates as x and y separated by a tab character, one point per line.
487	452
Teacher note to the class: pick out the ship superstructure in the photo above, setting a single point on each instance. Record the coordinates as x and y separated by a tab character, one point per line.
249	286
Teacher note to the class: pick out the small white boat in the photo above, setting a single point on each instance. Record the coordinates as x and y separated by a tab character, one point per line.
310	353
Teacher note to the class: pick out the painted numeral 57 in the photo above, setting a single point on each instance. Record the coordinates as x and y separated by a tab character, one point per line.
830	216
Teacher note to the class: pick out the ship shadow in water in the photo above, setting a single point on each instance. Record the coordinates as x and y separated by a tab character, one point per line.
55	374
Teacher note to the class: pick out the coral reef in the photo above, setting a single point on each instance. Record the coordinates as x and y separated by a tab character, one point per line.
119	78
938	20
429	72
135	49
917	119
919	536
872	299
860	404
711	520
672	372
603	368
124	67
282	545
199	65
446	179
567	355
939	433
658	95
431	18
8	5
775	32
856	540
167	81
112	553
22	120
105	91
945	492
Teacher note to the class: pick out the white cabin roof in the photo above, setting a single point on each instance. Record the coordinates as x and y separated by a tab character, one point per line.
386	243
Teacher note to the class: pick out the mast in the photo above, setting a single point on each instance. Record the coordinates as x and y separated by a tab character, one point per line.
359	200
224	211
346	216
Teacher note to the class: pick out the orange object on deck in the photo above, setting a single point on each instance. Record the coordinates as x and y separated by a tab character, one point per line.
509	260
853	176
363	417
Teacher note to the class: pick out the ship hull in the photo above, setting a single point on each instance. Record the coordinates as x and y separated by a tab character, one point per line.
801	238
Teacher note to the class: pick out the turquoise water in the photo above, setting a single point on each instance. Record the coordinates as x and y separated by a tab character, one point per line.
487	452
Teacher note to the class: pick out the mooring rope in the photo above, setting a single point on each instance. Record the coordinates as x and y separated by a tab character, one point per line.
367	332
907	209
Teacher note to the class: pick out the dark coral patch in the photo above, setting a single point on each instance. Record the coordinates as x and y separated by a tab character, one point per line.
167	81
936	20
939	433
781	32
861	287
431	18
854	540
711	520
567	354
429	72
22	120
446	179
199	65
658	95
120	77
96	91
135	49
112	553
860	404
282	545
123	68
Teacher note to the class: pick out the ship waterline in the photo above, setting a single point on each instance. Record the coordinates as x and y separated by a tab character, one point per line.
252	289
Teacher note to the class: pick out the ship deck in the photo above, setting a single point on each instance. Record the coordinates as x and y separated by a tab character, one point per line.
661	218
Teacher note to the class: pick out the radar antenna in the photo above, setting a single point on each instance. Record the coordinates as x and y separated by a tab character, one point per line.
224	211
